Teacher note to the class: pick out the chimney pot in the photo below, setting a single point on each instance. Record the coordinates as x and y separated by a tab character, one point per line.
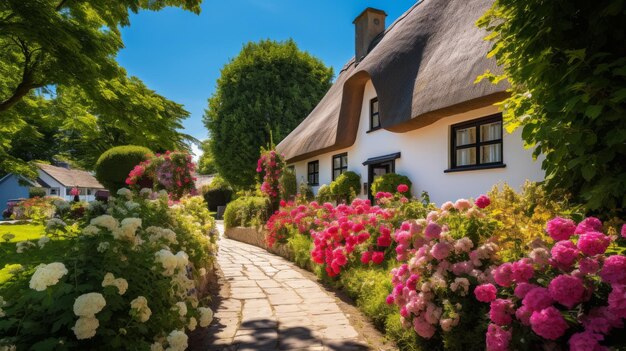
369	24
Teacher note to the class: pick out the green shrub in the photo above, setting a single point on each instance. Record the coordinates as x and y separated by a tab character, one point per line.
301	246
36	192
114	165
389	183
324	194
346	186
218	193
288	185
247	211
306	193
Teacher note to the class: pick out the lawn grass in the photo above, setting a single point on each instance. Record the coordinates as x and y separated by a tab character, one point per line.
10	259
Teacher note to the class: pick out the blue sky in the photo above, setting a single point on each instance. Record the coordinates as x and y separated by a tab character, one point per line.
180	54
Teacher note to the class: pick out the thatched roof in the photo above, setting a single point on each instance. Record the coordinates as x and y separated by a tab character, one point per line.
71	177
423	69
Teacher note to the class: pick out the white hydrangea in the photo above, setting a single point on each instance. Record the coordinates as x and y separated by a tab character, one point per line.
192	324
43	241
85	327
96	206
128	229
158	233
120	283
202	272
182	308
131	205
47	275
156	346
8	348
23	246
168	261
125	193
460	284
103	246
105	221
87	305
54	223
91	230
139	309
206	316
177	341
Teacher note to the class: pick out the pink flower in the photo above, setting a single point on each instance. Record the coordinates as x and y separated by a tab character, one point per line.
623	232
523	315
522	270
548	323
585	341
440	250
567	290
593	243
432	231
383	240
617	301
462	204
485	292
522	289
482	201
537	299
601	320
560	228
366	257
403	188
614	270
497	338
588	265
378	257
589	224
390	300
500	311
423	328
564	253
503	275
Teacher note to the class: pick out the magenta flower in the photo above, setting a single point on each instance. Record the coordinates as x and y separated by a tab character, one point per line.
378	257
482	201
564	253
617	301
403	188
537	299
585	341
522	289
485	292
567	290
593	243
432	231
440	250
500	311
560	228
623	232
548	323
522	270
614	270
589	224
588	265
503	275
523	315
497	339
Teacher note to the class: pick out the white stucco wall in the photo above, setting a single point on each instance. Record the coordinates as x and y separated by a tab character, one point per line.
62	189
425	156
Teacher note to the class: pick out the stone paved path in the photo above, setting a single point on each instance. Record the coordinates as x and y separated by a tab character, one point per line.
272	306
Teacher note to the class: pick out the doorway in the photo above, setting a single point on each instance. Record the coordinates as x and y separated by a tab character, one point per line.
377	170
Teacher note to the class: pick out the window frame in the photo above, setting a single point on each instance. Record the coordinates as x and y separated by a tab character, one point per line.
342	167
372	128
315	173
477	123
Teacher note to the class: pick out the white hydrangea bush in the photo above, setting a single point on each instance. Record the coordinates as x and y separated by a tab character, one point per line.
130	280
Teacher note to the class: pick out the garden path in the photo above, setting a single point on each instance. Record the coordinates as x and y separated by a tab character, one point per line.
272	305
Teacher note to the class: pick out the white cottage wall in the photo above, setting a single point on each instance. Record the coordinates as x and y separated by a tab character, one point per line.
425	156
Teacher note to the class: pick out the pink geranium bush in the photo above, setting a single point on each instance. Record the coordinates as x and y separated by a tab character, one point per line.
573	293
270	166
172	171
444	258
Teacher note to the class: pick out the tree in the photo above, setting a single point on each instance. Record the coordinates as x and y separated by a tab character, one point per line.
71	43
267	90
206	163
566	63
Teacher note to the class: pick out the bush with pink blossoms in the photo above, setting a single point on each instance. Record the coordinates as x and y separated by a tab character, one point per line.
576	295
172	171
270	166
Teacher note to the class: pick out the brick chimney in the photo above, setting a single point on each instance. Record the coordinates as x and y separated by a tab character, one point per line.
367	26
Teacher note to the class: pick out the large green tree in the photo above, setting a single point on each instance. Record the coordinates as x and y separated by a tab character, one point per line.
67	49
263	93
566	62
206	162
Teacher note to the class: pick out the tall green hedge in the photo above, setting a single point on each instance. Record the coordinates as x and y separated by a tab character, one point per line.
346	187
288	184
114	165
389	183
218	193
247	211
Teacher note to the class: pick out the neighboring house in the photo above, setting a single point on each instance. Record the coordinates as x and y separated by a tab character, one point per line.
56	181
408	104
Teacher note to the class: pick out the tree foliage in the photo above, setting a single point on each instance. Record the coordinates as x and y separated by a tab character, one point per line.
566	63
267	90
206	162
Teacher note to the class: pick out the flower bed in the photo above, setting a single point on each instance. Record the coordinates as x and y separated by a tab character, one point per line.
132	277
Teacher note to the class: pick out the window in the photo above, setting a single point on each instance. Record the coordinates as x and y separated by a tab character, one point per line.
54	191
374	115
477	144
340	164
313	173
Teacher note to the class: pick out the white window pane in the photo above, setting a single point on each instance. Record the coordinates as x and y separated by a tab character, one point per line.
375	107
336	162
465	136
466	157
336	173
375	121
490	153
344	161
491	131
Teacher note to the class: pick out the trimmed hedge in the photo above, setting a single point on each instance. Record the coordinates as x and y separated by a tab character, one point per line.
324	194
36	192
346	187
389	183
247	211
218	193
113	166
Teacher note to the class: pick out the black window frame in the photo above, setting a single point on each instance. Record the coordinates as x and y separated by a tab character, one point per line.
372	128
342	167
315	173
477	145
